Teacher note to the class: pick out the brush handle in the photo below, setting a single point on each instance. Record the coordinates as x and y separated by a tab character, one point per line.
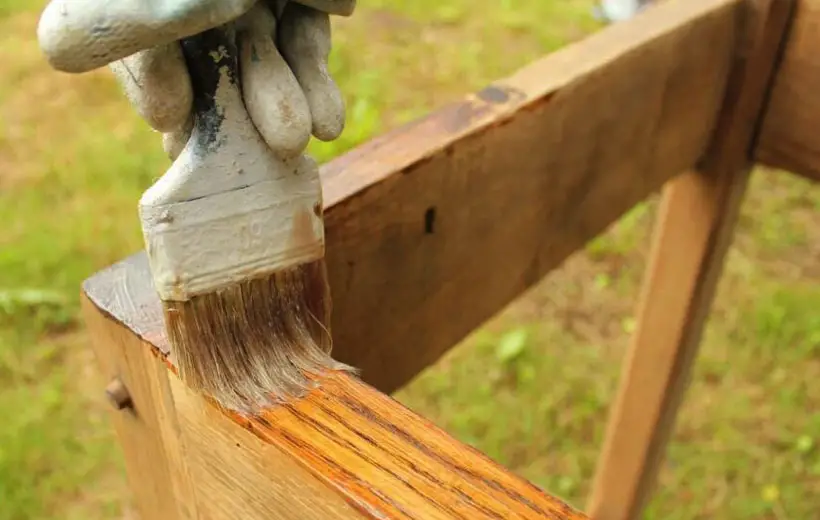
212	60
228	208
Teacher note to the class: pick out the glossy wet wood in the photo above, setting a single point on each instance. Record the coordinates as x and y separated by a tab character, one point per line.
344	451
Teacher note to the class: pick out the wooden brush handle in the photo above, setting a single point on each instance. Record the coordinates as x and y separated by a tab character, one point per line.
224	146
212	59
228	208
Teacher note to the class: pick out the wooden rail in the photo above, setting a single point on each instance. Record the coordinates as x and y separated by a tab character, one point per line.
346	451
436	226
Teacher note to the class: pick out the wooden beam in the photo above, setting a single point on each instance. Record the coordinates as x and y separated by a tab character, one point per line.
697	217
346	451
146	425
789	138
435	227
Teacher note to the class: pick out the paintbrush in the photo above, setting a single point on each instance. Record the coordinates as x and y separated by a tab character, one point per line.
235	241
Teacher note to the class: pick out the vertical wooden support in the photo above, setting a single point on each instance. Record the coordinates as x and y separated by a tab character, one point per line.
697	216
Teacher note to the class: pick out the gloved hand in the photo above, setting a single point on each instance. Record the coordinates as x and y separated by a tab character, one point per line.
283	49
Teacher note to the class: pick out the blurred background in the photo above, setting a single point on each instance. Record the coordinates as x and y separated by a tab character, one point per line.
530	389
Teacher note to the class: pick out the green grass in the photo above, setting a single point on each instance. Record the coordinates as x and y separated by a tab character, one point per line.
531	388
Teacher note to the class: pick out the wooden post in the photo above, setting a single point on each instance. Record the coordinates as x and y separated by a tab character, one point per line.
345	451
789	138
694	230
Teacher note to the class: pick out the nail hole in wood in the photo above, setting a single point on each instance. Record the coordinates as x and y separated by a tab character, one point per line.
430	220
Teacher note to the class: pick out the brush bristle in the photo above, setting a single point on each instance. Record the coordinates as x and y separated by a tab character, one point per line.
258	342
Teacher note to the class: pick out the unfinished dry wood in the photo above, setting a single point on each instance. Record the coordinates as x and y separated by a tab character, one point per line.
240	475
790	138
146	431
346	451
433	228
694	230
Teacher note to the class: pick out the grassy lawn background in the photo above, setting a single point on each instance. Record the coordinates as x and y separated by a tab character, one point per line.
531	388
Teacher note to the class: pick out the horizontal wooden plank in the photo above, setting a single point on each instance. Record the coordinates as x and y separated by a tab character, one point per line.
434	227
789	138
345	451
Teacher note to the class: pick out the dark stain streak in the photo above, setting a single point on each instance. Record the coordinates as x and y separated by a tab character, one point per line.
344	423
410	464
347	474
330	434
366	412
264	422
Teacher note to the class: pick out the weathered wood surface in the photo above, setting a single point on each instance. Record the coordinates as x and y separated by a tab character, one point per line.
344	451
790	138
156	475
433	228
693	233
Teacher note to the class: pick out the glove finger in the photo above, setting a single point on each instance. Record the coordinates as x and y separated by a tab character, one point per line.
82	36
273	98
157	84
174	141
304	39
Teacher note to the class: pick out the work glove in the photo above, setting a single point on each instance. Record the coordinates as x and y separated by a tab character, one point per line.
283	51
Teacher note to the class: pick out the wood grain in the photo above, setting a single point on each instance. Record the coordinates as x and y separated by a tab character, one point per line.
435	227
242	475
789	138
345	451
147	430
696	221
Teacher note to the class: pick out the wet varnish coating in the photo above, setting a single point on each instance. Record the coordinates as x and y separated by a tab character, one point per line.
344	451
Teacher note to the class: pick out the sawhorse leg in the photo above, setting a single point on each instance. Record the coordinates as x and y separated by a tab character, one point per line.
694	229
690	243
